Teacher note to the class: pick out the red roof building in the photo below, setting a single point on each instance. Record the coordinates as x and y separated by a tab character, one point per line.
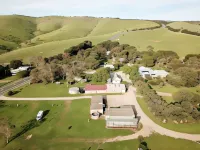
90	87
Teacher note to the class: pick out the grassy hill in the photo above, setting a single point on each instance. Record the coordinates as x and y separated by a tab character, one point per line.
185	25
63	28
14	30
48	36
163	39
107	25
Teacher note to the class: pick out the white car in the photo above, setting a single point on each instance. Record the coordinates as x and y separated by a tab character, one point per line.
39	115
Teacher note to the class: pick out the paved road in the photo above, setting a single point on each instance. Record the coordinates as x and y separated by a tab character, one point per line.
14	85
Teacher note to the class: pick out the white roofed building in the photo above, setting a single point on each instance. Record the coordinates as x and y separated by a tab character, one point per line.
152	73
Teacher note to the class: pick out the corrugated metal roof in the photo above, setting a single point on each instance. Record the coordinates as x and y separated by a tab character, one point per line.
90	87
96	102
122	111
135	120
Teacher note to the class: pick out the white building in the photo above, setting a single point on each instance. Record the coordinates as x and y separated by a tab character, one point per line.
116	88
108	53
22	68
114	79
152	73
74	90
109	66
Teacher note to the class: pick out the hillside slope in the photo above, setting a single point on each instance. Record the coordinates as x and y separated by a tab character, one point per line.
191	27
108	25
63	28
14	30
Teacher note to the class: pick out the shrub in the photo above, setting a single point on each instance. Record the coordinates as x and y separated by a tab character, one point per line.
23	74
10	93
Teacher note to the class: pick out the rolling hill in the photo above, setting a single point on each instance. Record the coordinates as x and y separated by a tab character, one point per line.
47	36
185	26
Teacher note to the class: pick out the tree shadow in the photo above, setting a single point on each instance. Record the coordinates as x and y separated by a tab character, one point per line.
46	112
2	103
31	124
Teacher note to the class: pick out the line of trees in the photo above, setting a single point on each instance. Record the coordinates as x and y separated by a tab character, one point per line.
182	109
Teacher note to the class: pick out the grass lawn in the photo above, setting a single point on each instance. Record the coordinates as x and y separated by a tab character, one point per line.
52	90
172	89
168	99
55	128
186	128
48	90
163	39
154	142
167	88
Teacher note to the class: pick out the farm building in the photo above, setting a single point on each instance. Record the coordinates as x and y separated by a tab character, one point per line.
74	90
96	107
109	66
108	88
15	71
92	89
114	78
116	88
122	117
144	71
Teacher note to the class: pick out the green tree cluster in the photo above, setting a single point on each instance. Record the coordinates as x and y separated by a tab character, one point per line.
180	110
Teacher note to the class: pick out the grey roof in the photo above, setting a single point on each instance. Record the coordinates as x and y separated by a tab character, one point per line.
96	102
122	111
135	120
74	89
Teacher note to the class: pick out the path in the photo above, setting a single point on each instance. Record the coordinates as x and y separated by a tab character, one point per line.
44	99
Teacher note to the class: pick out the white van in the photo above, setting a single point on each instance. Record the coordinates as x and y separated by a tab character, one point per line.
39	115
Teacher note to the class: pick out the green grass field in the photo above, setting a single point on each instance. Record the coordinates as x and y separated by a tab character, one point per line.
55	127
185	25
192	128
48	49
106	26
48	90
172	89
163	39
53	133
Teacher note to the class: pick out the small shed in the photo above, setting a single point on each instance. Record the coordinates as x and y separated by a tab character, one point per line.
74	90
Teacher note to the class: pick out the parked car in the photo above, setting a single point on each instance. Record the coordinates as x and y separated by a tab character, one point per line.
40	115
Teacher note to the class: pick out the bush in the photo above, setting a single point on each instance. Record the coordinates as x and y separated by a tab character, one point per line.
10	93
23	74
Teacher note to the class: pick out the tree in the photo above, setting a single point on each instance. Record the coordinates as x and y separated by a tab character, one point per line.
148	61
102	75
23	74
5	129
175	80
188	75
15	64
150	48
183	95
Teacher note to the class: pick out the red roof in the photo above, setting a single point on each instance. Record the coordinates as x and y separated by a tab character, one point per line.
90	87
